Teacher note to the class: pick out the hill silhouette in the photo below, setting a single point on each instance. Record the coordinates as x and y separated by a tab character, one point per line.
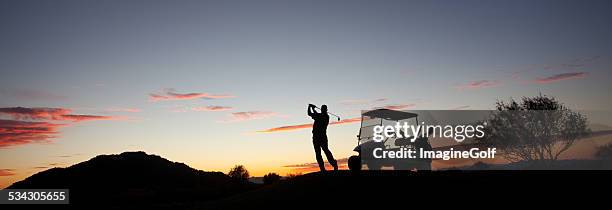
134	178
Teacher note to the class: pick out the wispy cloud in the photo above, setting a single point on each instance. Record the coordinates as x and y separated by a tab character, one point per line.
211	108
286	128
306	126
171	94
38	125
397	106
479	84
569	65
573	64
250	115
560	77
37	113
362	101
115	109
7	172
83	117
16	132
44	113
313	167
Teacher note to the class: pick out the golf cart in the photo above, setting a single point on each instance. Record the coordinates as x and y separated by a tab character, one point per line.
366	143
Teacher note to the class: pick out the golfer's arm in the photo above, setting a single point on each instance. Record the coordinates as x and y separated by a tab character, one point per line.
310	111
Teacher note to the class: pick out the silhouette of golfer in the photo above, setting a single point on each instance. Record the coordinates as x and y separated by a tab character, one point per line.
424	163
319	135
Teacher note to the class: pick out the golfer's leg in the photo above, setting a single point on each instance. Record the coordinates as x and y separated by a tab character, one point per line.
317	148
328	154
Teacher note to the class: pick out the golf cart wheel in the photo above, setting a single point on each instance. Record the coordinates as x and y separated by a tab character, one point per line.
354	163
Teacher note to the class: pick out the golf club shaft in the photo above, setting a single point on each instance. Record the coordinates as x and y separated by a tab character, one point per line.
328	112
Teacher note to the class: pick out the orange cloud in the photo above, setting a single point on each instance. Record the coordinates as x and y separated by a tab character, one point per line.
313	167
171	94
7	172
15	132
306	126
560	77
479	84
286	128
212	108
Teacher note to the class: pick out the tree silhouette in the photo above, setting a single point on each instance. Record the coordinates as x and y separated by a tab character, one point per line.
604	152
239	173
271	178
538	128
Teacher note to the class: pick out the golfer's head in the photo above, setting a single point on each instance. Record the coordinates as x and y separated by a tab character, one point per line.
324	108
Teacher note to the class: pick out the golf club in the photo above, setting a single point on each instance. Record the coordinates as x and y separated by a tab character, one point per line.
315	106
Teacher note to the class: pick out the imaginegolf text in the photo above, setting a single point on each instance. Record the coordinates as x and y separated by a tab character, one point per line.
475	153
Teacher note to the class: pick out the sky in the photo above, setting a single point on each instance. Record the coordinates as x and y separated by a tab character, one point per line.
198	81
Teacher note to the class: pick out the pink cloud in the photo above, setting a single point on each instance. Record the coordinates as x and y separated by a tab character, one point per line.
44	113
398	106
15	132
83	117
252	115
35	113
37	125
306	126
212	108
362	101
171	94
560	77
479	84
123	110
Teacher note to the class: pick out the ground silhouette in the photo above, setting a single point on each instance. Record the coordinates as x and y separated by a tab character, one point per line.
134	178
399	189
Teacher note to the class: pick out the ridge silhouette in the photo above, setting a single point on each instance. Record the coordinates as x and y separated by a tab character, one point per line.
133	177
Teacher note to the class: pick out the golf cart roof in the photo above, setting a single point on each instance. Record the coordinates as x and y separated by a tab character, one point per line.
389	114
